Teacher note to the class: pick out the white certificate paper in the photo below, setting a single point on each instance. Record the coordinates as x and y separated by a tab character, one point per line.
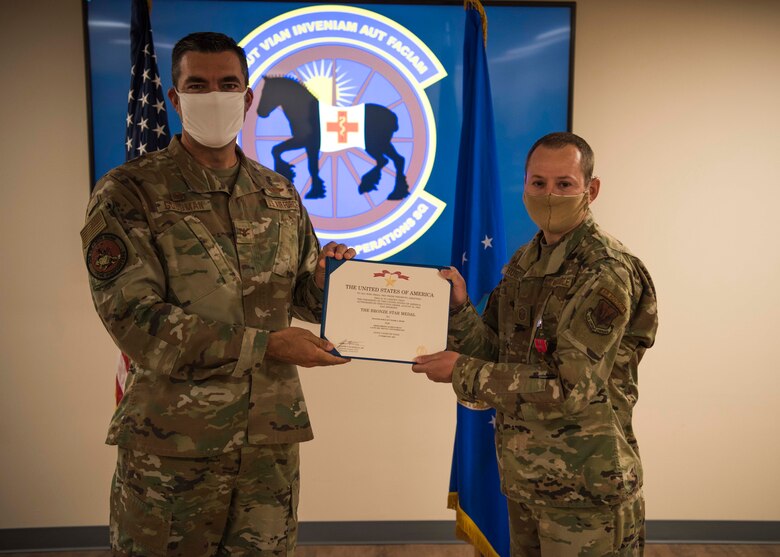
385	311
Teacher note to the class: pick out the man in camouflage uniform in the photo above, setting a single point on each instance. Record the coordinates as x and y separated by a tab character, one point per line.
198	259
556	354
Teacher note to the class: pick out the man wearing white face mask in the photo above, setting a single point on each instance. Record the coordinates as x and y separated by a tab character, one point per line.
556	354
198	259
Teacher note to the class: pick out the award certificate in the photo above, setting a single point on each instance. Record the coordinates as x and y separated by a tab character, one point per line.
385	311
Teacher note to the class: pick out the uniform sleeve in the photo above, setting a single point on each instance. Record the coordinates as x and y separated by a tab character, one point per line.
472	335
589	335
307	297
128	287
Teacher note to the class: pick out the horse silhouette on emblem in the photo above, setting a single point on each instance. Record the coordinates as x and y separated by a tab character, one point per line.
302	110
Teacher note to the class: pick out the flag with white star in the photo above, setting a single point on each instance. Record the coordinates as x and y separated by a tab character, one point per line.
147	120
478	252
478	245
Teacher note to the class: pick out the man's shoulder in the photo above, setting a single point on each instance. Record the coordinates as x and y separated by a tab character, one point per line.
268	179
150	165
126	181
598	245
602	250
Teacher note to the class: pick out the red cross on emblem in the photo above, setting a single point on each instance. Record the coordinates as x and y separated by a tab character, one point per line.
342	126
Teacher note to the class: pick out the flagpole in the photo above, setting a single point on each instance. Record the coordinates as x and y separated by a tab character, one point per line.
479	253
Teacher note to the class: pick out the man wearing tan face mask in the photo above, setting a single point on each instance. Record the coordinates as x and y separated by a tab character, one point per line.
556	354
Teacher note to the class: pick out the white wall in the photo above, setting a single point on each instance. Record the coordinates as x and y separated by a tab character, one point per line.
679	100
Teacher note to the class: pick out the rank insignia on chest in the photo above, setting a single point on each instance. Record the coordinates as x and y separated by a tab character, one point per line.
244	233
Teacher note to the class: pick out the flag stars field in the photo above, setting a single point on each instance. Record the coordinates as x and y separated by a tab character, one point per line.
487	242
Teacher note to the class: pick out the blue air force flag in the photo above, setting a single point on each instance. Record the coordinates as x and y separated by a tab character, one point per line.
479	252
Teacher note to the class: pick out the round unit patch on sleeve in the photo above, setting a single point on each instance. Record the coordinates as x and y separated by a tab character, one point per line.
106	256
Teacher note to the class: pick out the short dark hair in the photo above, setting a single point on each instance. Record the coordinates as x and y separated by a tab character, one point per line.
206	42
559	140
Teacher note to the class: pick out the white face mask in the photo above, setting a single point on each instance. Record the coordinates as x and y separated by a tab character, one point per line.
212	119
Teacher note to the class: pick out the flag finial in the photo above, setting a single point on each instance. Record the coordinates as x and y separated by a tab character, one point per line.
477	5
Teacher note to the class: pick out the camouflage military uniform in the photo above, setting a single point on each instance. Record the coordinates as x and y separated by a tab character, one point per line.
556	353
189	277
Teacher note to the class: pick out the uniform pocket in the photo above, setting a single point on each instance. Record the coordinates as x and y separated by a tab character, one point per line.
147	524
195	265
286	261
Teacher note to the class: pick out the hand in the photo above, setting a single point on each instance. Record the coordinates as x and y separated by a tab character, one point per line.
332	249
438	367
300	347
458	294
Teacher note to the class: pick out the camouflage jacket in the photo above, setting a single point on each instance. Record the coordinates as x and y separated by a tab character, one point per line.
189	279
556	353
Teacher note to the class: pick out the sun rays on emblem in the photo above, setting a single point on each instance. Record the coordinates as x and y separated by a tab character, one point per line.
319	80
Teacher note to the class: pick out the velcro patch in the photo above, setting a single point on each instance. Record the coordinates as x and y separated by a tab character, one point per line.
600	318
106	256
192	206
94	227
614	299
282	204
513	272
243	230
554	282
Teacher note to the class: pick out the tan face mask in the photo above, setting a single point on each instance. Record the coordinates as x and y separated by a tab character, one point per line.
556	214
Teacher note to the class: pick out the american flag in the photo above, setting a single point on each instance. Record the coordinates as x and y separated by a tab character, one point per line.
147	120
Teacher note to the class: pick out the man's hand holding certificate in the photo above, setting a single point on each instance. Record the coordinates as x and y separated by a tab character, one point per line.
385	311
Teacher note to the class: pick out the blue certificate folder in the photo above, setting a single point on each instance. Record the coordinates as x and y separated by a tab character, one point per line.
389	312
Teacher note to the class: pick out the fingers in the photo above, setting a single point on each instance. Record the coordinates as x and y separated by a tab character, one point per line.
437	367
334	250
337	251
299	346
458	295
321	343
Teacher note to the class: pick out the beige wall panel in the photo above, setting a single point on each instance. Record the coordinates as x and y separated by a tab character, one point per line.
55	381
679	100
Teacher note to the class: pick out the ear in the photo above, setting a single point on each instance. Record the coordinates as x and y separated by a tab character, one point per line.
248	98
173	96
593	188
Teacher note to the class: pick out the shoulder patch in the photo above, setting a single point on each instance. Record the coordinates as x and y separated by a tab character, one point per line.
106	256
604	293
600	317
94	226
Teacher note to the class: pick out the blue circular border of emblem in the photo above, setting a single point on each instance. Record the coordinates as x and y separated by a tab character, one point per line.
314	26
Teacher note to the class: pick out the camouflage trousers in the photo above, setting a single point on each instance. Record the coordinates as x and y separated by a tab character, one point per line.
617	531
239	503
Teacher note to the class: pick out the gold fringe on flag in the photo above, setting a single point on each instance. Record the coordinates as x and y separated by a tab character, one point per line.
477	5
467	531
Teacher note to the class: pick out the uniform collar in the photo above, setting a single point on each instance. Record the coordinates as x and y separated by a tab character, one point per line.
200	180
540	260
